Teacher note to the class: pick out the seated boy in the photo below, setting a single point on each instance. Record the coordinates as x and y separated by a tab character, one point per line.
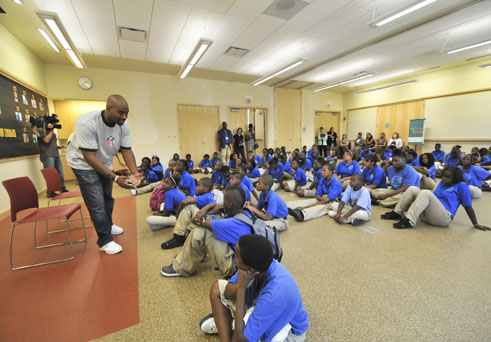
276	171
373	175
235	179
186	211
252	171
286	166
215	159
312	188
225	171
216	176
474	176
247	181
186	183
262	298
328	190
205	165
401	177
215	238
172	198
299	177
355	206
438	154
275	212
190	162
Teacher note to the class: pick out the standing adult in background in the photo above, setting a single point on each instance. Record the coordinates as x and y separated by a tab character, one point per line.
332	138
395	140
250	138
225	138
98	137
49	155
322	142
239	143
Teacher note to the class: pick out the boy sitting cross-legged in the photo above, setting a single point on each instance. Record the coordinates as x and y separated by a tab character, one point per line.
215	238
355	205
275	212
187	210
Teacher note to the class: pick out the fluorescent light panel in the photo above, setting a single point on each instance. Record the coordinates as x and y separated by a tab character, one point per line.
73	56
57	32
472	46
386	87
285	69
48	39
400	13
19	2
343	82
485	65
195	56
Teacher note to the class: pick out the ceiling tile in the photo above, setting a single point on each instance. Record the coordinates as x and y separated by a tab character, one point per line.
134	14
254	35
269	20
102	38
223	62
133	50
77	34
229	29
169	17
63	8
161	46
95	11
312	14
248	9
221	6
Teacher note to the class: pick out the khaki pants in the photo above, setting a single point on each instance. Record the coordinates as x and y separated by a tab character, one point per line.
426	182
199	243
309	193
312	212
291	185
346	183
147	188
358	215
280	224
284	335
226	152
425	205
389	202
287	176
184	223
475	191
159	222
276	186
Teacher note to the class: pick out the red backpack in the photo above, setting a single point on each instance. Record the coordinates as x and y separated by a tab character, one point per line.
157	198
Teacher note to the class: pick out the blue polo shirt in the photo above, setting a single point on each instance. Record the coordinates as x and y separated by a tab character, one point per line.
407	175
413	162
387	155
474	175
229	230
246	190
254	173
317	177
247	182
344	170
364	153
333	189
205	163
268	158
360	198
288	168
273	204
276	173
190	164
187	181
151	176
217	177
449	161
307	165
278	303
439	156
432	172
232	164
453	196
375	177
226	181
167	173
157	169
204	199
258	160
300	177
215	160
486	160
172	199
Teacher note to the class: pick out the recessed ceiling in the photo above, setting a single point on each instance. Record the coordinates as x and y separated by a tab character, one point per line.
332	34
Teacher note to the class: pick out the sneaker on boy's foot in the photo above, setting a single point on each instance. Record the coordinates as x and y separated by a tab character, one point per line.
176	241
65	190
116	230
133	192
391	215
331	213
208	325
357	222
297	215
168	271
403	224
111	248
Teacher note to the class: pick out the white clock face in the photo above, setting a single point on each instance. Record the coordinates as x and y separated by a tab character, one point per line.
85	83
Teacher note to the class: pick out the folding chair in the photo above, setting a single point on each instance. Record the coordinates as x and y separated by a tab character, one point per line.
53	183
23	195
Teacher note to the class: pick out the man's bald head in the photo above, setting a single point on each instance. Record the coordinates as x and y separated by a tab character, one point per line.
116	110
115	100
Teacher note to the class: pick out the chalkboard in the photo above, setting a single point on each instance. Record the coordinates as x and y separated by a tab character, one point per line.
17	104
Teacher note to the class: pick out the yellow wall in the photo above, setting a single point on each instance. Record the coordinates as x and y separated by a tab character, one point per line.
17	60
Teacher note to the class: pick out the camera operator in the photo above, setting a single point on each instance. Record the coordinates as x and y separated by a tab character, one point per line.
49	151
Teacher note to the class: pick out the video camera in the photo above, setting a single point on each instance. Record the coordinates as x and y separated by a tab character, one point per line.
42	123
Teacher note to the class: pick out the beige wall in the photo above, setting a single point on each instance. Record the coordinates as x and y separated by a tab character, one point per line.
17	60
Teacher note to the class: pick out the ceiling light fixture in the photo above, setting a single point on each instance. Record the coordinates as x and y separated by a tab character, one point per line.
400	13
472	46
195	56
48	39
485	66
343	82
386	87
285	69
19	2
55	27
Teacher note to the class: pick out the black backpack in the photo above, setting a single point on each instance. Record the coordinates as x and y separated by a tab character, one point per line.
260	227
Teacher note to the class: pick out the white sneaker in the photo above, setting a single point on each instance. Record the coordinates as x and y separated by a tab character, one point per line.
208	325
331	213
111	248
133	192
116	230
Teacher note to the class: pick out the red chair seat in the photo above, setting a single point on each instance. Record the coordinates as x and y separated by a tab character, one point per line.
68	194
49	213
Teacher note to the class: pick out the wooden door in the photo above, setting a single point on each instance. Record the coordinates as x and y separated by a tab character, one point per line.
259	117
68	112
237	117
326	120
288	118
198	127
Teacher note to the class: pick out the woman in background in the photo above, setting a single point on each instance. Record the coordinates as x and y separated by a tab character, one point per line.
239	143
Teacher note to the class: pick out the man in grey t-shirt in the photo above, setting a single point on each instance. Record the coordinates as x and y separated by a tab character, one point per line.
98	137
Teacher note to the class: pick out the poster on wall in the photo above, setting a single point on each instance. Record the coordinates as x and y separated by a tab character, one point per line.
18	105
416	132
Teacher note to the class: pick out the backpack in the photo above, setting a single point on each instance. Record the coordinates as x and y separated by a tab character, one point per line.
157	197
260	227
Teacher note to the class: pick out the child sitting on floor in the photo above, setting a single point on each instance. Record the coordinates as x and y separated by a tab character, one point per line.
205	165
172	198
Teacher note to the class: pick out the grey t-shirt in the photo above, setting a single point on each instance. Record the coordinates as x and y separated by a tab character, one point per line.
92	133
48	149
